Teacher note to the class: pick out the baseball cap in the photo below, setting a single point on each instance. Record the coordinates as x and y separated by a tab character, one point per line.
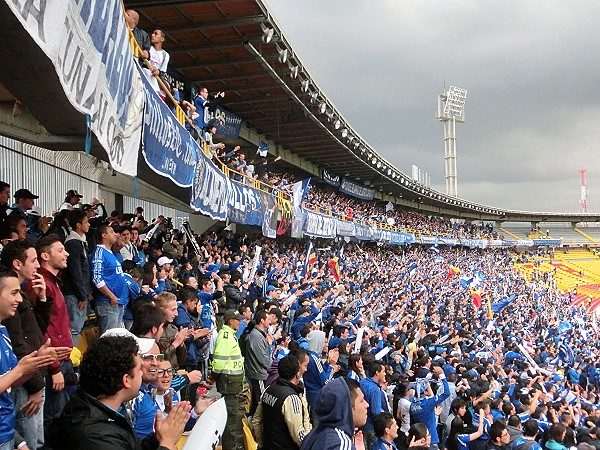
25	193
73	193
164	260
232	314
144	344
272	288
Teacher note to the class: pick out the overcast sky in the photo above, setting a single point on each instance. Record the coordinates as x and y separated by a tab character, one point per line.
531	69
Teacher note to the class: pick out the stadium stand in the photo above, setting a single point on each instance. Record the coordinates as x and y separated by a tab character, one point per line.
425	313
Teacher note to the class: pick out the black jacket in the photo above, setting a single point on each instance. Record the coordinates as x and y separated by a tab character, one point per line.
87	424
234	296
26	330
77	277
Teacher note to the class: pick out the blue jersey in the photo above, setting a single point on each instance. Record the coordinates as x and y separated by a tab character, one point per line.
462	441
8	361
107	271
424	410
133	292
382	444
207	308
144	412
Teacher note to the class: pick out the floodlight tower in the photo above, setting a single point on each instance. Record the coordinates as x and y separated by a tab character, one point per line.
451	109
584	193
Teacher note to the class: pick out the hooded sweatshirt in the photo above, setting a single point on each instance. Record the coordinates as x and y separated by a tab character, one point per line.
318	373
333	408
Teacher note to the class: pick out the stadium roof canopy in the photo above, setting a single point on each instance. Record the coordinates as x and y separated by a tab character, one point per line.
224	46
235	46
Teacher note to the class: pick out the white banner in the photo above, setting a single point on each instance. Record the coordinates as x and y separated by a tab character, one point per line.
88	43
255	261
318	225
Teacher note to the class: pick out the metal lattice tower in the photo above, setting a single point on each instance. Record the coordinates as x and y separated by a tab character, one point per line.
451	109
584	193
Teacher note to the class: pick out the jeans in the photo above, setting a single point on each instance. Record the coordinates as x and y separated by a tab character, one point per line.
109	316
76	317
31	428
257	387
8	445
56	401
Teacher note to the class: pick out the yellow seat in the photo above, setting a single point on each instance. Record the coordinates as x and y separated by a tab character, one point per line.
249	441
87	337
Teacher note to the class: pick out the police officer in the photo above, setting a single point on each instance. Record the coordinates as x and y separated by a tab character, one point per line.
228	372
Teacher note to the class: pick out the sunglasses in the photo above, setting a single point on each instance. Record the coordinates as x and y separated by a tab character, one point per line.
149	357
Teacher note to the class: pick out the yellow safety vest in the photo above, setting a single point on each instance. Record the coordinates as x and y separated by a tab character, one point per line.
227	356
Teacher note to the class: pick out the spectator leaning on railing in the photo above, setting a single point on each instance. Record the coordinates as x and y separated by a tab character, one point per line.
159	59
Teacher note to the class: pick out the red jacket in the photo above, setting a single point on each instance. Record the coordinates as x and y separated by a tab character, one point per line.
59	329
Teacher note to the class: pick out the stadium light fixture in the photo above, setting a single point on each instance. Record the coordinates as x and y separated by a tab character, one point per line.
314	96
268	33
323	107
344	133
330	115
304	85
374	161
293	70
337	124
356	144
379	164
283	54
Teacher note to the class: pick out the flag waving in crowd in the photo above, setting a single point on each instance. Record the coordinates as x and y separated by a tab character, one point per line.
452	271
476	295
309	260
334	264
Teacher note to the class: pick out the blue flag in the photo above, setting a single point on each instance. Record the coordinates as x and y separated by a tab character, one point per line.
565	353
500	305
263	149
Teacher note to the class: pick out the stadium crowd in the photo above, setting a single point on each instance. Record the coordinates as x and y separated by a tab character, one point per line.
402	338
312	345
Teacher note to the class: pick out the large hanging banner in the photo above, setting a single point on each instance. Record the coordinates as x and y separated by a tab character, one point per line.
364	232
245	205
331	178
269	214
318	225
168	148
345	228
88	43
210	190
347	186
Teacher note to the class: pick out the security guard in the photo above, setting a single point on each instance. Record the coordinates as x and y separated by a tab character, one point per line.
228	372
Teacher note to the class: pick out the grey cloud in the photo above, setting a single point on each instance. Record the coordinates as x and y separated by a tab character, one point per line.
531	69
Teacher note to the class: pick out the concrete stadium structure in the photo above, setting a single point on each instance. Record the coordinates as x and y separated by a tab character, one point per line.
233	46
